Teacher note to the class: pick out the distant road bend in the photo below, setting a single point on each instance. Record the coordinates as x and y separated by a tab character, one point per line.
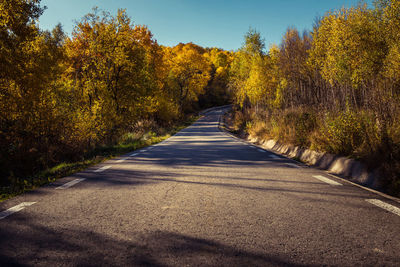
200	198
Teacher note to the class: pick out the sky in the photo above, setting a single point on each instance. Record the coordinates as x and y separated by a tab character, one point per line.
209	23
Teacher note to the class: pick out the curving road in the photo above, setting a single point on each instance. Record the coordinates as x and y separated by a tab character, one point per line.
200	198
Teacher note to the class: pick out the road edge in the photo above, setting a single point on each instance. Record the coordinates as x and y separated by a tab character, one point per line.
339	171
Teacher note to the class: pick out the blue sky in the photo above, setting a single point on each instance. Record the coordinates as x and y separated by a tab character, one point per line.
209	23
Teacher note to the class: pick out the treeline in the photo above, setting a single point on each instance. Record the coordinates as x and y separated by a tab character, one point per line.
334	89
62	96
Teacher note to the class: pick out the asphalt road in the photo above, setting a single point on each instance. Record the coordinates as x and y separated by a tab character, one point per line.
200	198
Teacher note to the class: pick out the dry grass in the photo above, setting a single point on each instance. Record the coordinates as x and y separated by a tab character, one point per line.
355	134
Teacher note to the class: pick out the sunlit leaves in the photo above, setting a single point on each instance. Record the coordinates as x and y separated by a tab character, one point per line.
349	46
61	97
189	72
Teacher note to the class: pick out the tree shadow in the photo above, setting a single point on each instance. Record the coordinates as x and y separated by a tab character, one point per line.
39	245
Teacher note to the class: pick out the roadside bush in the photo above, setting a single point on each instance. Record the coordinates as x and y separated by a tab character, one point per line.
357	134
239	121
291	126
339	133
298	125
260	129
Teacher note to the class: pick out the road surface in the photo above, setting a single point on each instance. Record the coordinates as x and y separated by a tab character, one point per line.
200	198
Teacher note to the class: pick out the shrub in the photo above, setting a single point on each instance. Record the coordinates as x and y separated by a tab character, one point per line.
239	121
340	133
299	124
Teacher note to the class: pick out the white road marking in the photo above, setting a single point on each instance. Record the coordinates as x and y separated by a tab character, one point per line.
261	150
366	188
384	205
326	180
122	160
102	169
272	156
133	154
292	165
15	209
252	146
150	148
71	183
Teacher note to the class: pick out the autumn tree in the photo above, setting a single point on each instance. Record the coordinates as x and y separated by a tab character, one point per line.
62	97
217	92
349	49
113	67
189	73
30	64
251	78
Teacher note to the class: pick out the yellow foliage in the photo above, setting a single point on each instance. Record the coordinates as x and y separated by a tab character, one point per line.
189	72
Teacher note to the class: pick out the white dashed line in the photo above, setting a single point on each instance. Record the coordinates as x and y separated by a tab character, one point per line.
102	169
122	160
133	154
326	180
273	157
15	209
292	165
260	150
151	147
69	184
384	205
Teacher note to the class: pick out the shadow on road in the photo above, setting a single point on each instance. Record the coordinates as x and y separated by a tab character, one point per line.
84	247
126	177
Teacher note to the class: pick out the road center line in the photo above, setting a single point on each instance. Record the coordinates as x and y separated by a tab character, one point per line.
102	169
15	209
71	183
384	205
292	165
326	180
122	160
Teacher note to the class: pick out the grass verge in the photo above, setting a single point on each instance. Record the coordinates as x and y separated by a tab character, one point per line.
356	134
96	156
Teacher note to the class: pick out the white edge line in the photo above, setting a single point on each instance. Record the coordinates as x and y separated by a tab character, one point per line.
15	209
326	180
330	174
122	160
384	205
365	188
103	168
71	183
